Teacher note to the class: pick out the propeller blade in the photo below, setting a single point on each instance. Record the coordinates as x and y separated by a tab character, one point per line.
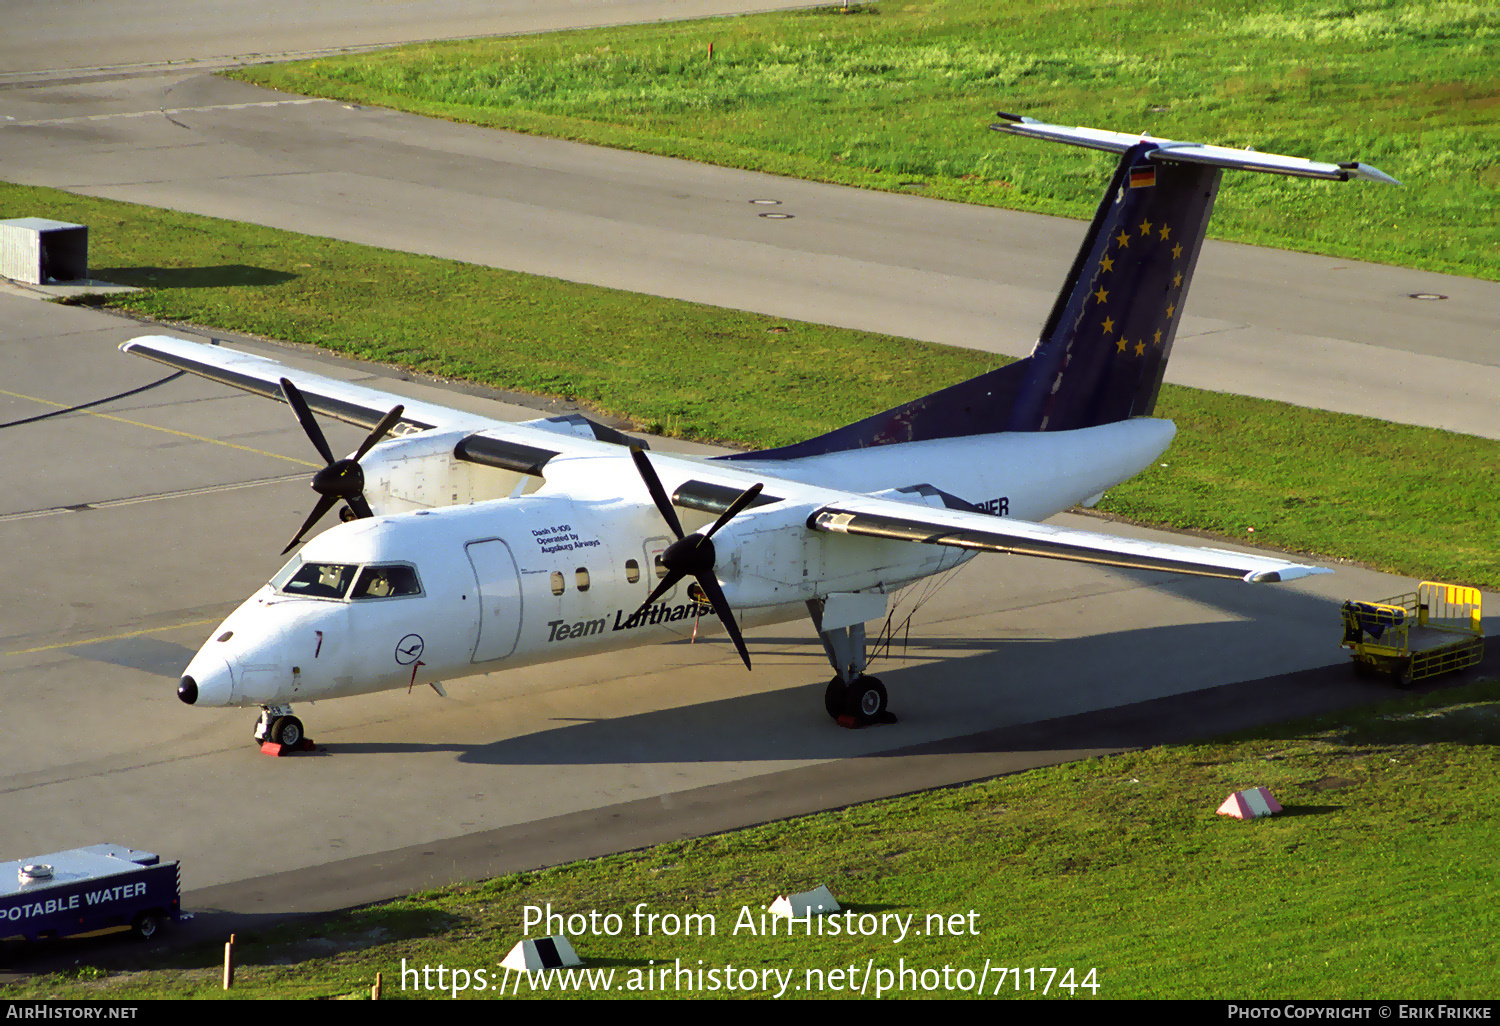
667	584
340	479
658	493
386	423
304	415
746	497
325	503
716	598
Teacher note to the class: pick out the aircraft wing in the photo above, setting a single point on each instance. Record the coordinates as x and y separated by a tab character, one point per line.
330	397
524	447
874	517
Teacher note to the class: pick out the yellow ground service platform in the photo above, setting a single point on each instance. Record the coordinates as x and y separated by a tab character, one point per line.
1433	630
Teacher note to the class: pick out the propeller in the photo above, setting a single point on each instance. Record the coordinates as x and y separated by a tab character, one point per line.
341	479
693	556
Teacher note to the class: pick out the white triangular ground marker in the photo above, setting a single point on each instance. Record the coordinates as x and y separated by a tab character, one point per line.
541	953
1251	804
818	901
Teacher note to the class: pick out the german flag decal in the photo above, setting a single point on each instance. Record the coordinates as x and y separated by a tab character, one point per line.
1143	176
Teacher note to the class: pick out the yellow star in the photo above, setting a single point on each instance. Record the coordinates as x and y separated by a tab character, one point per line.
1145	227
1101	295
1120	345
1109	325
1170	308
1176	251
1157	340
1165	232
1107	264
1123	239
1140	349
1177	281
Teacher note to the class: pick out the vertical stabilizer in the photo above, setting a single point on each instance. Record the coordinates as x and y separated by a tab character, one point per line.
1104	347
1103	350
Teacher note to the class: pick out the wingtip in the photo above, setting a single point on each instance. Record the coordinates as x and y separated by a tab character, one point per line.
1287	573
1367	173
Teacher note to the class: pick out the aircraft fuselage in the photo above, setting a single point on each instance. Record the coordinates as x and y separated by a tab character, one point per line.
437	594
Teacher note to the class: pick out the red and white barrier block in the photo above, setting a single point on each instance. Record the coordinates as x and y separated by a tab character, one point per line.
1251	804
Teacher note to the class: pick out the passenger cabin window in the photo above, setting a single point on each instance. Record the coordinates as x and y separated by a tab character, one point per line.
582	576
390	581
319	580
632	571
558	585
661	570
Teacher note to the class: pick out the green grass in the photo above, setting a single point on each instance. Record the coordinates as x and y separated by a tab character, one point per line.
1376	882
895	95
1415	501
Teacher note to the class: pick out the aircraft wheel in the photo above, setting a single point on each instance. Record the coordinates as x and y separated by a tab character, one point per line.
286	730
835	697
866	699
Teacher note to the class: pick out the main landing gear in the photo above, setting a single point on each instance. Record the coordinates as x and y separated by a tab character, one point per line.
278	726
863	698
852	698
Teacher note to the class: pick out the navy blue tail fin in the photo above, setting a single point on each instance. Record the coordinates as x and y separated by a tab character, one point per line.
1104	347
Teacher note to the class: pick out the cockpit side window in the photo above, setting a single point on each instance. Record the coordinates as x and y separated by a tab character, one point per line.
388	581
319	580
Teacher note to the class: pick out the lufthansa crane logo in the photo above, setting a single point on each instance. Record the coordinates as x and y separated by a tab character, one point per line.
409	649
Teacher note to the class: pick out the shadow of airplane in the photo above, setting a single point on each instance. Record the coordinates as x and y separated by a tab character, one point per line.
222	276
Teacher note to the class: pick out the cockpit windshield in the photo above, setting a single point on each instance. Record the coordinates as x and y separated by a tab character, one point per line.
315	580
387	581
331	580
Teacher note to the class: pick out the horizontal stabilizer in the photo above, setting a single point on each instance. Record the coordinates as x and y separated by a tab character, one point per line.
1190	152
902	521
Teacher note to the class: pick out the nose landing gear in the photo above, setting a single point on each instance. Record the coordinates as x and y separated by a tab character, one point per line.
278	728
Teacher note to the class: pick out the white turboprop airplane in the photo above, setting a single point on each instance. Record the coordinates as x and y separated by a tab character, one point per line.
471	546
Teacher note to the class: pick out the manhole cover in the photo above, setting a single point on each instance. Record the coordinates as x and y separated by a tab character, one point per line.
778	216
1425	295
767	203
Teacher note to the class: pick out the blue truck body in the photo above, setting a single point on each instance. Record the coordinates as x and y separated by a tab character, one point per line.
84	890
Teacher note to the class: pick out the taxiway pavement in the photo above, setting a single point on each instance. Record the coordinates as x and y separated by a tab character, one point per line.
131	528
1313	331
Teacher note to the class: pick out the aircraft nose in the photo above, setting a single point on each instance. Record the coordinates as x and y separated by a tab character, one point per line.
206	681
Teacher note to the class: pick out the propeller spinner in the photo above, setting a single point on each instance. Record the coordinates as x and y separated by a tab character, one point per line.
341	479
693	556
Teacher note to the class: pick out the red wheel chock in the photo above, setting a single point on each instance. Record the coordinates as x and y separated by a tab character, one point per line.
275	750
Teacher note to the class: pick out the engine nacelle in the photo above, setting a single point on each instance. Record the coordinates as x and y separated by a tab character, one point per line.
420	471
